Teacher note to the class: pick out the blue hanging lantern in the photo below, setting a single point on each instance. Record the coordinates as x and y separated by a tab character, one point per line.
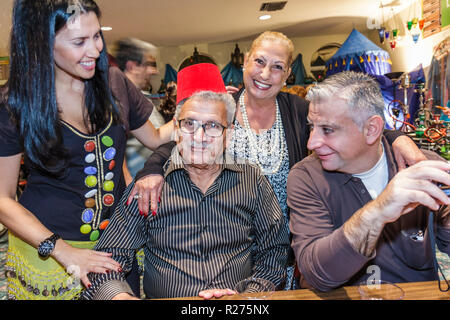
381	34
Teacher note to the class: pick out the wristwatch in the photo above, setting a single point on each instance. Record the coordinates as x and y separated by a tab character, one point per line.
47	246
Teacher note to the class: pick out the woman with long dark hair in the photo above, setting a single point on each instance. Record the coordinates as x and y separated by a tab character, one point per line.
58	112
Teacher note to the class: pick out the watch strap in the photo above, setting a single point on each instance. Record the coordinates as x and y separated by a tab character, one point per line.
53	238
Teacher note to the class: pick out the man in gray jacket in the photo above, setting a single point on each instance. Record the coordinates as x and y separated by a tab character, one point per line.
350	207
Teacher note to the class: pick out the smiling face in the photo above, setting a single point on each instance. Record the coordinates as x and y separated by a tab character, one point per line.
199	149
336	139
77	49
266	69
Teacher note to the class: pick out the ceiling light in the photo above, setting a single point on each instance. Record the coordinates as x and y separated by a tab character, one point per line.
106	28
265	17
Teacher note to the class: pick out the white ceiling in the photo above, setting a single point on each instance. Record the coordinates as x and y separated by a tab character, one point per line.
179	22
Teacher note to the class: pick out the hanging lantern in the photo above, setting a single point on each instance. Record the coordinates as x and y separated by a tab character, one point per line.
386	34
421	24
381	34
409	25
393	43
415	37
395	33
414	21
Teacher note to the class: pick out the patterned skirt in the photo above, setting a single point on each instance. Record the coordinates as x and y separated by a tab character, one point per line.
30	277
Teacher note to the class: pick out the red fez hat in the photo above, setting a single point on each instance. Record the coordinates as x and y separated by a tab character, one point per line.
199	77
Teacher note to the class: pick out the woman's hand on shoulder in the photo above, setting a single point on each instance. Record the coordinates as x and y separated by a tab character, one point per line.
406	152
147	191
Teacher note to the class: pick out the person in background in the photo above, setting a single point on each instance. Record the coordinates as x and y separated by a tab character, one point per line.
58	111
215	214
137	60
270	127
169	104
351	208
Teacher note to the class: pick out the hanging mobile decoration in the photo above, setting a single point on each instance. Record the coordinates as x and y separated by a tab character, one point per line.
395	33
381	31
415	25
415	37
409	25
421	24
381	34
393	43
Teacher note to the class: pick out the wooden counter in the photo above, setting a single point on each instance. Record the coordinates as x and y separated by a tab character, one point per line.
413	291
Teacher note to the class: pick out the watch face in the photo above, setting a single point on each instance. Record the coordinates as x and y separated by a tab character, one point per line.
45	248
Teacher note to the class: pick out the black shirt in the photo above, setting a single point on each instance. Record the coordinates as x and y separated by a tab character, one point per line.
94	170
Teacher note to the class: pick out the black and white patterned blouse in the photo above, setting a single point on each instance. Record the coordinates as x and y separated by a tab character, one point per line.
239	148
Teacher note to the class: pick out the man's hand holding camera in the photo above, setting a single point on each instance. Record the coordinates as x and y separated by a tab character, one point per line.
416	185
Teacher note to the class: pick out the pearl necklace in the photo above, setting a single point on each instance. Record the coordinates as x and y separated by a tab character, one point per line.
277	143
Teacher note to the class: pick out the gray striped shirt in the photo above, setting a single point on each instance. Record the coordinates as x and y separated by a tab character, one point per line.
198	241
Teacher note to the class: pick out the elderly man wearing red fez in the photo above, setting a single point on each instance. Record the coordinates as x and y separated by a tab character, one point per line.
218	222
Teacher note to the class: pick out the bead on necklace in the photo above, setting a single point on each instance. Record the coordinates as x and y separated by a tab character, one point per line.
275	147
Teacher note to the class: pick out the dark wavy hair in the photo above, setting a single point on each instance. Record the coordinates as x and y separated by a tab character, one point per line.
169	105
31	96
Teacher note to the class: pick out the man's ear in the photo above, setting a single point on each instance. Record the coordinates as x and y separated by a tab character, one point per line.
175	135
130	65
373	129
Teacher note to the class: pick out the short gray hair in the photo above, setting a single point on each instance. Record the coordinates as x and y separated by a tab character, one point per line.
361	92
226	98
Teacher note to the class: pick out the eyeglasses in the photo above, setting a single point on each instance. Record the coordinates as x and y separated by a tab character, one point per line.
149	64
211	129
